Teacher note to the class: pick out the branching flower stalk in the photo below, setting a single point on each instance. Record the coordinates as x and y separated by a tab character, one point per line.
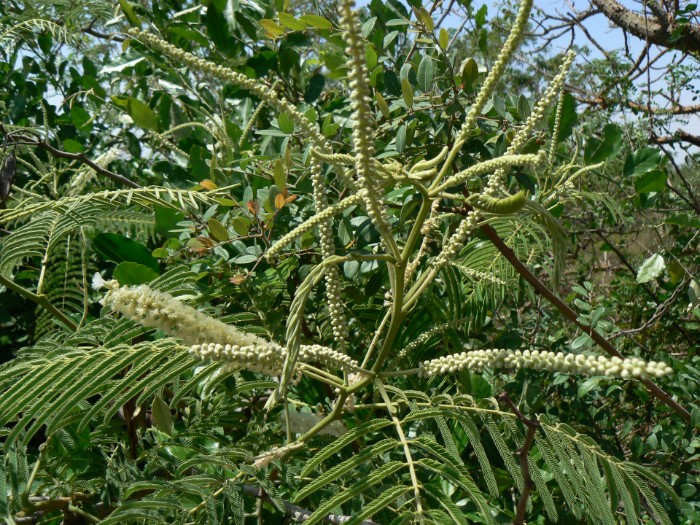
228	345
489	86
332	278
263	92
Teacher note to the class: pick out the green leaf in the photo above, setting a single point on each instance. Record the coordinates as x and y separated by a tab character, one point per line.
272	28
316	21
73	146
160	414
314	88
568	118
470	74
368	26
198	163
142	114
444	38
166	220
329	128
683	219
425	73
392	83
382	105
131	273
480	17
651	269
117	248
401	139
240	225
388	39
651	181
289	21
286	123
279	174
600	149
480	387
642	161
371	58
588	385
217	230
80	118
407	92
424	16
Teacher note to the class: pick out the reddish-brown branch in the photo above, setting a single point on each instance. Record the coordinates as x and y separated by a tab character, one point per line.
571	315
522	454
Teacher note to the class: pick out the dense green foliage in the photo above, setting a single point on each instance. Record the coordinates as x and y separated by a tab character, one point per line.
352	199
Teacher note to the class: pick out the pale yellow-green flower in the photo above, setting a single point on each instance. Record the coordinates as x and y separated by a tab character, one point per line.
477	360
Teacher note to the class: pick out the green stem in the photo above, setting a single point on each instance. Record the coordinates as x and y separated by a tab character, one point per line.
423	213
400	373
406	449
41	300
417	289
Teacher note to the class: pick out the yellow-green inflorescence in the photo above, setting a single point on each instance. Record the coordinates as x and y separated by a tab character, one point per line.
269	358
477	360
259	89
363	124
161	310
228	344
497	70
553	92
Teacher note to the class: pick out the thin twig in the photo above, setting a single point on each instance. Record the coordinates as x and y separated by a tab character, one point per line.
41	300
80	157
522	454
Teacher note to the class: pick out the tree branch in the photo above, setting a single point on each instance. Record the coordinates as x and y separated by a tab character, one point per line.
678	136
649	30
564	308
80	157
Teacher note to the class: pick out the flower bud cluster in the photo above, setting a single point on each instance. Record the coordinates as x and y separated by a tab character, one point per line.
319	220
497	70
163	311
538	113
488	166
362	118
327	357
456	242
477	360
482	276
268	358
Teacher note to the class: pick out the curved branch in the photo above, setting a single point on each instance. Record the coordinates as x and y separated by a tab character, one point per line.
678	136
649	29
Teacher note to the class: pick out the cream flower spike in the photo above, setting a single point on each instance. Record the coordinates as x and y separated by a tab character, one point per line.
477	360
163	311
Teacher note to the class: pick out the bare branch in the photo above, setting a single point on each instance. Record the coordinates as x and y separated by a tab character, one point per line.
649	30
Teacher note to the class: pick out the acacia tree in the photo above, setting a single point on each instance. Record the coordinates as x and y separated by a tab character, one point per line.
311	272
